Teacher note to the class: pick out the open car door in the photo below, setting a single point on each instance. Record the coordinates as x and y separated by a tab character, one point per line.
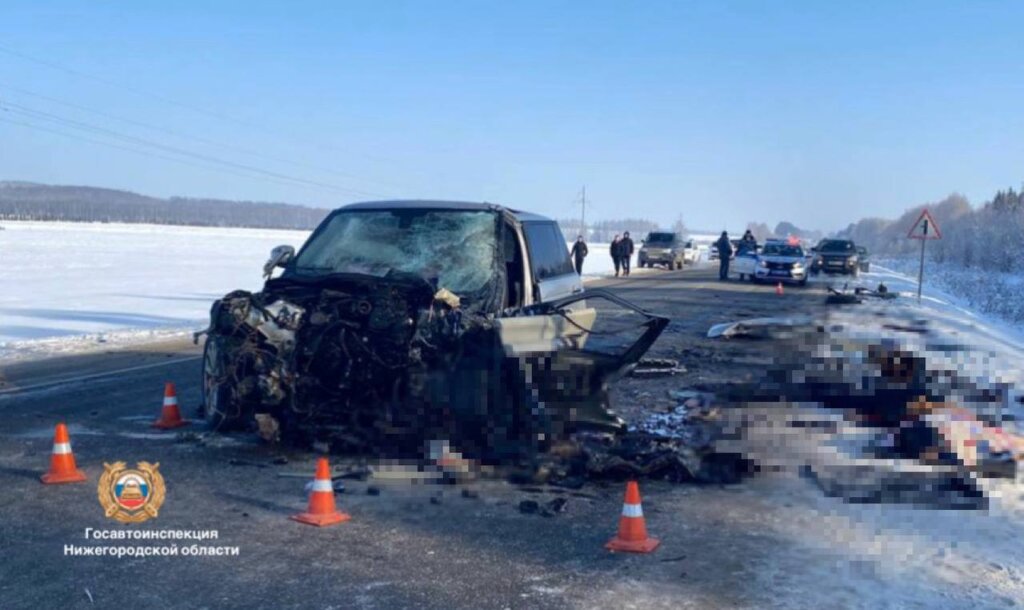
567	352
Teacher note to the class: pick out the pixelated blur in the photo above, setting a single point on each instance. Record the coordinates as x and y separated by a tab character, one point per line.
511	305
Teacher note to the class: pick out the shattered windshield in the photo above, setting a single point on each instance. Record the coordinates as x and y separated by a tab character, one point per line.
782	250
455	248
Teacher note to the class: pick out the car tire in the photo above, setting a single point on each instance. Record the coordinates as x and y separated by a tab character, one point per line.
679	265
802	282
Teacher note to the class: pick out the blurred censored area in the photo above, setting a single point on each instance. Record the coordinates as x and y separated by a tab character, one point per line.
882	408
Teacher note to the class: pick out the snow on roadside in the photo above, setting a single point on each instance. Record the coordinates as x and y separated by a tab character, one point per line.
991	292
78	286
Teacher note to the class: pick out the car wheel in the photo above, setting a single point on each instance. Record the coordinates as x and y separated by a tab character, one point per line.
802	282
220	407
679	265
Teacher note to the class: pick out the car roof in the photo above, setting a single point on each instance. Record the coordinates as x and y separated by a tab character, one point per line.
439	204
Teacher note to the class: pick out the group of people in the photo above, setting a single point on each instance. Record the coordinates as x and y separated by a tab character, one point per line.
725	250
621	251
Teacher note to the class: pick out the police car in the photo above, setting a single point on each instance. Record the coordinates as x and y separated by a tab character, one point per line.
781	260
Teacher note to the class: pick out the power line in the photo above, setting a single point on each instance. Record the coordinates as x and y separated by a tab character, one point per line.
129	149
83	126
156	96
178	134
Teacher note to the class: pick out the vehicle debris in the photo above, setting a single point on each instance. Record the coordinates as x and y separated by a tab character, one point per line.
931	426
759	328
657	367
404	321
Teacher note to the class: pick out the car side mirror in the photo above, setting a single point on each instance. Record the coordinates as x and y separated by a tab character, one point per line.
279	257
814	250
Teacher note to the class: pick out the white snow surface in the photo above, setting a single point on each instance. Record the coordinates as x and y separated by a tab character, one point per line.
75	286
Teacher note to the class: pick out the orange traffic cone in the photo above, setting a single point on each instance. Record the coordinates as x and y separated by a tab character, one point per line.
62	462
321	511
632	536
170	416
778	289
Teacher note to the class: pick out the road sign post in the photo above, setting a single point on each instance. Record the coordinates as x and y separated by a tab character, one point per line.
924	229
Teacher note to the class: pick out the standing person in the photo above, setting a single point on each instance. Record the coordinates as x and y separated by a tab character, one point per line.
748	243
579	252
724	254
626	252
613	249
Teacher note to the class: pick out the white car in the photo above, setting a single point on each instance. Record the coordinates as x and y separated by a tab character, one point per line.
691	253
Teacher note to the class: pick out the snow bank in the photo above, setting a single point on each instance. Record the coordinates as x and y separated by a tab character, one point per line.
990	292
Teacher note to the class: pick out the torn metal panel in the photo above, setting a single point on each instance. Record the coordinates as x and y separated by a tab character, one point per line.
394	325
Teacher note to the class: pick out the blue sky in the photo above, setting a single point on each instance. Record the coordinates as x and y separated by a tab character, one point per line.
722	112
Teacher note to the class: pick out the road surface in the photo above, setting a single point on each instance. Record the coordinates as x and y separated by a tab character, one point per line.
769	541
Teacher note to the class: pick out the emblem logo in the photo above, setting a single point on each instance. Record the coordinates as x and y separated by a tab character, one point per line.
131	495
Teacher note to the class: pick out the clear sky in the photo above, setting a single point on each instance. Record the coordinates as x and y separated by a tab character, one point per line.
722	112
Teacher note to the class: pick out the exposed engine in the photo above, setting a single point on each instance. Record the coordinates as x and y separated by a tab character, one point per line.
358	357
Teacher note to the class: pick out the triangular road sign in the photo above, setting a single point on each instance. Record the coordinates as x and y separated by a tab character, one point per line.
925	227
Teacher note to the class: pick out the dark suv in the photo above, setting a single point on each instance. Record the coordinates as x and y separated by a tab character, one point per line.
401	320
836	256
662	248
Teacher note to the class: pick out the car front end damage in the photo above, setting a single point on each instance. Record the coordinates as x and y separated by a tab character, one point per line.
382	362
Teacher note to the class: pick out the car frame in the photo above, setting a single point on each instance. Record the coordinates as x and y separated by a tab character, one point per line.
844	260
669	252
778	267
384	359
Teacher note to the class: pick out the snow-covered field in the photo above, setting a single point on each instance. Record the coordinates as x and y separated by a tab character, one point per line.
991	292
77	286
71	286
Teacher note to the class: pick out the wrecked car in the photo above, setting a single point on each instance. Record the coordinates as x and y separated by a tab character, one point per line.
400	321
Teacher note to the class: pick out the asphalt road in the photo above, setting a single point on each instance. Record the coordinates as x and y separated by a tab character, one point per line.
424	546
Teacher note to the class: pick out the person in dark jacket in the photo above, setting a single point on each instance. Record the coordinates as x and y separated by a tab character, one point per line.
614	251
579	252
626	252
724	254
748	243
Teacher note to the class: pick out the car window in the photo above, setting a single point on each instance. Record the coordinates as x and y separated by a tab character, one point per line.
549	256
836	246
660	238
782	250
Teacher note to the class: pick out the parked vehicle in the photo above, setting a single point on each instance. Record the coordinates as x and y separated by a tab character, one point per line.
662	248
691	253
781	261
836	256
744	261
403	320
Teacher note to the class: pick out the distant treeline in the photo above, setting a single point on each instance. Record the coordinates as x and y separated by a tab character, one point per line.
28	201
602	231
988	237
